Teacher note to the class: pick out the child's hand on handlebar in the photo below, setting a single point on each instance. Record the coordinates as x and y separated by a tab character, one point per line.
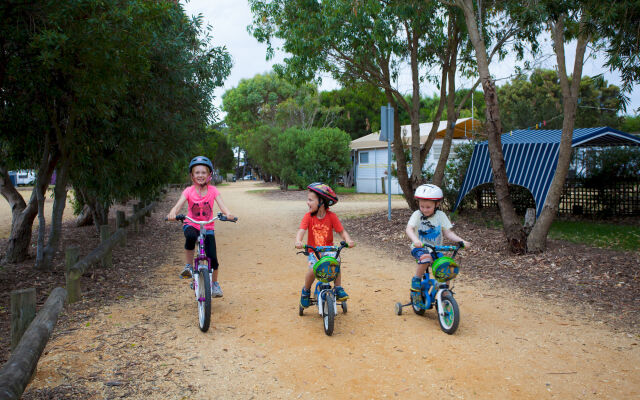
417	244
171	216
466	244
351	243
299	245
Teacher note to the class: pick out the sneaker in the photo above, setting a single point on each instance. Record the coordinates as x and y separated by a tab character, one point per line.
341	295
216	291
305	298
186	272
416	284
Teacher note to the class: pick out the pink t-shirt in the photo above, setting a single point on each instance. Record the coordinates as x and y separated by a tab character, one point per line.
200	207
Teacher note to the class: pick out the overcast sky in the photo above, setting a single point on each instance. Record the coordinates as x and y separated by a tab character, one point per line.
230	19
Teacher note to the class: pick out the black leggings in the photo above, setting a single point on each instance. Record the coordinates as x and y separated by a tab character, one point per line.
191	235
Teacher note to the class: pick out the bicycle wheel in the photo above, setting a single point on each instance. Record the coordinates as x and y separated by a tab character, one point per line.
204	299
417	309
328	312
451	318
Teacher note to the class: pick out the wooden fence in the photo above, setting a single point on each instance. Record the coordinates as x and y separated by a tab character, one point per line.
30	332
615	198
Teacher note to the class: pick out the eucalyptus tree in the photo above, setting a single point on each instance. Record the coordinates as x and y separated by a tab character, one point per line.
566	20
499	21
372	42
109	81
526	101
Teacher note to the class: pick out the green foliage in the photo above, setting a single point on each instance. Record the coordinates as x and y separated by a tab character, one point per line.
631	124
311	155
603	165
119	89
524	103
360	108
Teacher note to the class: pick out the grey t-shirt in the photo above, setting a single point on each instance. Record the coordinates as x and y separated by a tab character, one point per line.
430	229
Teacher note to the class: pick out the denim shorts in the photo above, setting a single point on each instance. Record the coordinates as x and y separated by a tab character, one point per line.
418	252
312	256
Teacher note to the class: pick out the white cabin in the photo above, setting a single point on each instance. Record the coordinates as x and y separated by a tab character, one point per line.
371	156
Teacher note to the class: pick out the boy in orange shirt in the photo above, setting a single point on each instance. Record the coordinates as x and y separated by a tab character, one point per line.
320	222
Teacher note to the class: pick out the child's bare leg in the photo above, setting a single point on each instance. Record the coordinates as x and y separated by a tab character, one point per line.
339	280
214	276
425	260
308	279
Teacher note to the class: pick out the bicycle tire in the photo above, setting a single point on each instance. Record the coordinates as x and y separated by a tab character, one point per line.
451	318
204	299
328	313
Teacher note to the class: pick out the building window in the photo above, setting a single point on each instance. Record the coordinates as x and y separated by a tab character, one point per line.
364	157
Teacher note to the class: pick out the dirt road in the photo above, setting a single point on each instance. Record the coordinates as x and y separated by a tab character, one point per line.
507	346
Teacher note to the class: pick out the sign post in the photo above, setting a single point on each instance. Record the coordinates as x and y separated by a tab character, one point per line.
386	135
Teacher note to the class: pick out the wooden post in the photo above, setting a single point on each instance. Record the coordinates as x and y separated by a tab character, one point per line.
16	373
105	232
73	282
136	224
23	311
121	222
148	213
383	188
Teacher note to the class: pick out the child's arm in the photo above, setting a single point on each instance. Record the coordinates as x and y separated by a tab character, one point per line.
412	235
172	214
451	235
223	208
345	236
299	237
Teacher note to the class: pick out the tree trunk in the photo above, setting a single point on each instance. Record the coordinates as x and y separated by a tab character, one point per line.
398	151
59	203
537	240
86	216
452	113
22	221
512	227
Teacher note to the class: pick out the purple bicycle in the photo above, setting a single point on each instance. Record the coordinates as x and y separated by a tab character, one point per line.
202	271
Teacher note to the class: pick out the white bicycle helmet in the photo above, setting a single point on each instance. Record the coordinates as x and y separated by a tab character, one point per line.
428	192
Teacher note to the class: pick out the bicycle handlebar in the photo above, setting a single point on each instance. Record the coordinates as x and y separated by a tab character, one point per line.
343	244
220	216
458	246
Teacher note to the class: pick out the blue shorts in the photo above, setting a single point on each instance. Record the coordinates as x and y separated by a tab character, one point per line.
418	252
312	259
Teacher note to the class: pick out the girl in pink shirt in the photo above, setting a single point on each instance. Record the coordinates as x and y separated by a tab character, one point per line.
200	198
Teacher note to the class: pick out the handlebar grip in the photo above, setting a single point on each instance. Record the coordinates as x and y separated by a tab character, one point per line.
180	217
461	245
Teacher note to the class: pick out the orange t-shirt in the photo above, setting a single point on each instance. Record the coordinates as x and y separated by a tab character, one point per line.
321	230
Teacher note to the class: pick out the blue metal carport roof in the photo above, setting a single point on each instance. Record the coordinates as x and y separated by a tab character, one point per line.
531	157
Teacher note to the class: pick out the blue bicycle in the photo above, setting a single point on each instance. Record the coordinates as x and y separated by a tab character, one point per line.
326	269
436	291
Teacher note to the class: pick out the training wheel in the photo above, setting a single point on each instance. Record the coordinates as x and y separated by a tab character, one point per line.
399	308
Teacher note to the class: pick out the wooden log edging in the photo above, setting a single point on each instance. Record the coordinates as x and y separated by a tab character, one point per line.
16	373
98	254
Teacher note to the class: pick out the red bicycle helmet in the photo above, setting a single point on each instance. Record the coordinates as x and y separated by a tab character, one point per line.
325	192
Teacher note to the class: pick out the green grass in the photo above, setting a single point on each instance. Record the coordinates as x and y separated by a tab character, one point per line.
597	234
594	234
344	190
